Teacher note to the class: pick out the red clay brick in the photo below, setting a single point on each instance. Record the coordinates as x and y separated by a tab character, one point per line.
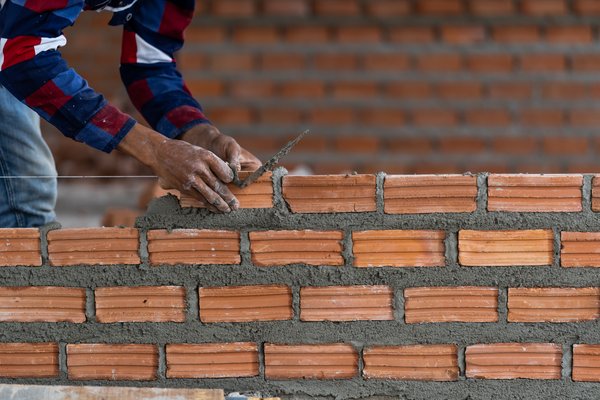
29	360
414	90
410	145
460	90
123	362
492	8
516	34
336	61
586	362
282	61
542	117
535	193
438	62
193	246
245	303
488	117
231	62
234	8
397	248
544	7
312	361
333	116
561	145
330	193
93	246
505	248
257	195
422	194
255	35
20	246
514	361
510	90
387	61
337	7
569	34
212	360
585	62
140	304
412	34
553	304
434	117
458	34
596	193
346	303
205	34
580	249
206	87
440	7
307	34
295	8
42	304
271	248
382	116
303	89
584	117
490	62
354	90
359	144
587	7
451	304
280	115
414	362
252	89
557	90
230	115
388	8
462	145
543	62
358	34
515	145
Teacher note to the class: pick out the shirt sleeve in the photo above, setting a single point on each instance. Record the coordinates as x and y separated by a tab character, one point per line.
32	69
148	69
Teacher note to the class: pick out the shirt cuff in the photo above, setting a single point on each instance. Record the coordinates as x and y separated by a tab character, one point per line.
180	119
105	130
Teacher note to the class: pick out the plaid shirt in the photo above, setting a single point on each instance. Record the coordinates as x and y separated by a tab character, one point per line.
33	70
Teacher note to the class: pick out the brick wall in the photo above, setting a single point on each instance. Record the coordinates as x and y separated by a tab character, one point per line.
404	86
429	286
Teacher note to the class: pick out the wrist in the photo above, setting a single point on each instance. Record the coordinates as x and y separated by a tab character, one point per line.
142	143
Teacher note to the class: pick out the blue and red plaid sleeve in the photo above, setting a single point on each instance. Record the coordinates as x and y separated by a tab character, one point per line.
33	70
148	69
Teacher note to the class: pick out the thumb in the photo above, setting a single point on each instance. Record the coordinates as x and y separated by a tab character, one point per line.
234	152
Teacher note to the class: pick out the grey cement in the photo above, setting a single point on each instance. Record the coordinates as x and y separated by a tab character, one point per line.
166	213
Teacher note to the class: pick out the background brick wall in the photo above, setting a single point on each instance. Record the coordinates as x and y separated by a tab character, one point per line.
405	86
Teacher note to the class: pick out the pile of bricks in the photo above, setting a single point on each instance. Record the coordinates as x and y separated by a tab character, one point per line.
378	282
404	86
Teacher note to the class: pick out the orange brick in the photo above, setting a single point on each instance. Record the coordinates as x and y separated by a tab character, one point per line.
205	34
307	34
460	90
245	303
510	90
93	246
535	193
283	61
421	194
580	249
358	34
337	7
412	34
565	145
271	248
29	360
451	304
42	304
212	360
255	35
505	248
586	362
295	8
440	7
346	303
415	362
569	34
20	246
455	34
584	117
490	62
123	362
206	87
388	8
553	304
409	145
193	246
381	116
556	90
488	117
312	361
585	62
252	89
336	61
492	8
140	304
514	361
434	117
303	89
387	61
231	115
596	193
398	248
516	34
232	62
544	7
280	115
587	7
543	62
354	89
412	89
541	117
438	62
464	145
234	8
359	144
515	145
330	193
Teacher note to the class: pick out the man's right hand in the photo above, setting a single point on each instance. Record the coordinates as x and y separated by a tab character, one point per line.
182	166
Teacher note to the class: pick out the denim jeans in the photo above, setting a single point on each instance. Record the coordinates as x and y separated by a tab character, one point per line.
23	152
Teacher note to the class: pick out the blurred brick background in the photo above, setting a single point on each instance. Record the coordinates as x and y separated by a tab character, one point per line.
405	86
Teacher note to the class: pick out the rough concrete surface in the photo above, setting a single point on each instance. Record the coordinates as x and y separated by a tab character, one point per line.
166	213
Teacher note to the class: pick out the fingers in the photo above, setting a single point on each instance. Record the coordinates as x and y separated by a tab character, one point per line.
219	168
233	155
215	191
249	161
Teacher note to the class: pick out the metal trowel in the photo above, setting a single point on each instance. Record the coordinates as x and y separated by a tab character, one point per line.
270	164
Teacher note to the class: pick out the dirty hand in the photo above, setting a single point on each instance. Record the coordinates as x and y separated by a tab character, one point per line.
192	170
208	137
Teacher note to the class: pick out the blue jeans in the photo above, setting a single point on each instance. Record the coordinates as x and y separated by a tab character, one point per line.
23	152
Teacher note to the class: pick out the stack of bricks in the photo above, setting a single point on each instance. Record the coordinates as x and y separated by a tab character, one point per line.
351	285
405	86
